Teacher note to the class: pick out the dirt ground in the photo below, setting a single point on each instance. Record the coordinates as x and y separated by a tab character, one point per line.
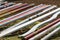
54	2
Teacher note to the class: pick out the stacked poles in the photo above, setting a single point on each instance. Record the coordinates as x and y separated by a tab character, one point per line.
21	8
42	23
51	34
40	35
22	14
30	18
31	34
17	27
42	29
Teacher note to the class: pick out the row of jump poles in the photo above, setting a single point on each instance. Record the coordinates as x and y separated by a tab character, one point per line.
44	11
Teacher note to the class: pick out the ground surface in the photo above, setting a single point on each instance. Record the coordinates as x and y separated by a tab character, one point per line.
56	2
